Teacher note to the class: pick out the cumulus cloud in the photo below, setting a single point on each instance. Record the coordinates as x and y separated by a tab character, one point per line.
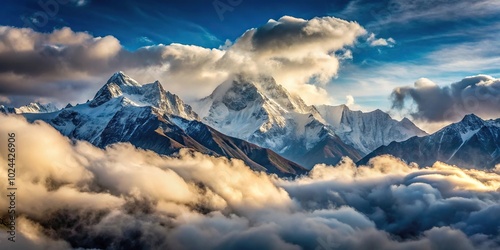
48	64
123	197
295	51
373	41
476	94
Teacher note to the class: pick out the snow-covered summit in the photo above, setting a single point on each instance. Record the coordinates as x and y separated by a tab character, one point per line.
467	127
242	91
258	109
367	131
141	95
470	122
121	104
471	142
149	117
34	107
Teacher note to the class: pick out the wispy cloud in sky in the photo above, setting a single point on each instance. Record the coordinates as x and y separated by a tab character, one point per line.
391	12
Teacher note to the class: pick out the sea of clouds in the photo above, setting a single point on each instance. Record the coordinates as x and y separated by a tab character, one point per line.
74	195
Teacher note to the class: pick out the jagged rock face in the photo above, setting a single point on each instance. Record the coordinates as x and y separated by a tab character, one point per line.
470	143
106	93
151	94
367	131
151	118
7	110
241	95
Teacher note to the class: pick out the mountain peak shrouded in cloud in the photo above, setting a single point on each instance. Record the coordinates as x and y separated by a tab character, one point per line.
260	110
36	107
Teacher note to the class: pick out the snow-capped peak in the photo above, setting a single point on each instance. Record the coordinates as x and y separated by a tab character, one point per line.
136	94
277	93
119	78
117	85
257	109
469	123
367	131
242	91
34	107
472	120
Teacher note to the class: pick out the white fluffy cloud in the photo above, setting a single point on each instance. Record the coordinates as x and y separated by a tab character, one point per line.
300	54
123	197
297	51
373	41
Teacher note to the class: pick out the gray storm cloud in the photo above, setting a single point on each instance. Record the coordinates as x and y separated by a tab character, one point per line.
122	197
63	62
476	94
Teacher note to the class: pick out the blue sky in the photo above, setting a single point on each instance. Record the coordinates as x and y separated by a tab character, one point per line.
443	40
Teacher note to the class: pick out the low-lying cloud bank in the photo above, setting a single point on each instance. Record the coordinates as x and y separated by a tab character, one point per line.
74	195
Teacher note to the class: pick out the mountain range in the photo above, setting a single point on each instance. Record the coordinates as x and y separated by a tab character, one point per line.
151	118
34	107
470	143
259	110
255	119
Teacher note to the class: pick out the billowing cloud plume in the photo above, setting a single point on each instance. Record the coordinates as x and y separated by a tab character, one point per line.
295	51
126	198
477	94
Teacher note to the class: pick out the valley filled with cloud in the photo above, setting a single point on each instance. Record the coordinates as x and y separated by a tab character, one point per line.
76	195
